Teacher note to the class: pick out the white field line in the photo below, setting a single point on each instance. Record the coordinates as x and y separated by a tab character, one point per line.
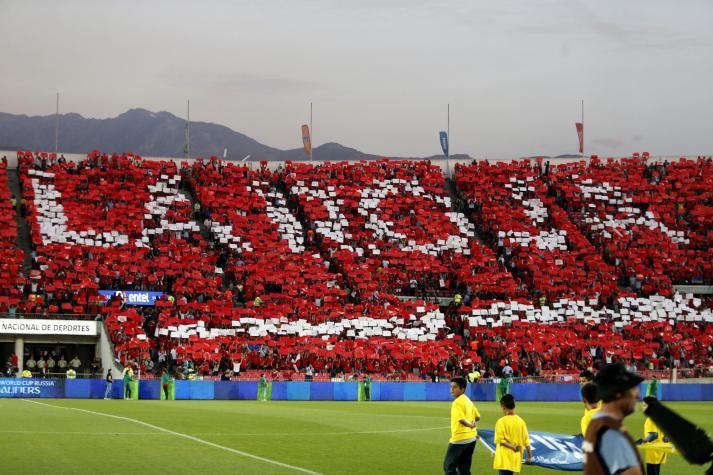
313	434
223	434
185	436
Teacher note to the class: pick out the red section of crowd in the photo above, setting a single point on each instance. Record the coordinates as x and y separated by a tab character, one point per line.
10	255
534	236
115	189
386	226
653	222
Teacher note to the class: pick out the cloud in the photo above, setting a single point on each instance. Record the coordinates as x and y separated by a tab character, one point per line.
608	142
246	82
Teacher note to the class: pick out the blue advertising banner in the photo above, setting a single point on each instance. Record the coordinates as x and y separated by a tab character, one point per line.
133	297
325	391
31	387
443	136
554	451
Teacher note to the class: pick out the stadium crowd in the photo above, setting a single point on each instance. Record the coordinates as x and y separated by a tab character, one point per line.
299	270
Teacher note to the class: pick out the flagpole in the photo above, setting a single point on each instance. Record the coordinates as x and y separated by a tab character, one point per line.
311	133
56	127
448	131
582	128
188	129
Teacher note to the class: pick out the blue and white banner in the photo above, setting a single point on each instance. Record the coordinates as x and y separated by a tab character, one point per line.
31	387
444	142
555	451
133	297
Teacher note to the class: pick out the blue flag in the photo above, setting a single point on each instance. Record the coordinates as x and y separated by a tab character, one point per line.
555	451
444	142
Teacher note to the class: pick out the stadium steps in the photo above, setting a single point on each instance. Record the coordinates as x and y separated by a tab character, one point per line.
457	204
23	229
188	193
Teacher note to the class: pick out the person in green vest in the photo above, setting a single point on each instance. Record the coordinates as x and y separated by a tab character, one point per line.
503	387
128	373
164	383
71	373
653	388
257	302
367	388
262	388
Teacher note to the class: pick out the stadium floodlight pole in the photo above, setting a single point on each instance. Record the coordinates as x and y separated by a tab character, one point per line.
56	127
448	131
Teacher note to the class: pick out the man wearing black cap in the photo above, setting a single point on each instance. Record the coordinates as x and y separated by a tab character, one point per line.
608	447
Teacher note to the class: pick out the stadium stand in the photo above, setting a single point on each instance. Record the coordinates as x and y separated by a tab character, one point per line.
653	222
390	227
268	271
11	278
533	235
114	225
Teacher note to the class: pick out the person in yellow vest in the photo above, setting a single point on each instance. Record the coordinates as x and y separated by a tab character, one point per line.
257	302
464	435
71	373
457	300
26	373
473	376
511	437
652	434
591	406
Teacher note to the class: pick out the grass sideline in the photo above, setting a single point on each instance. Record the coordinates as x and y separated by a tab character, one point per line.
321	437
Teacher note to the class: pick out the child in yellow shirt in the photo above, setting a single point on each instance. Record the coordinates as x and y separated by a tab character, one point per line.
653	458
510	438
591	406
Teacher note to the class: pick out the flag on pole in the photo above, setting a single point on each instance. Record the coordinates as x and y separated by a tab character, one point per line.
580	133
307	140
444	142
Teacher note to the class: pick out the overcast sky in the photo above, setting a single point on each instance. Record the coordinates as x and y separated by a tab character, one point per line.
379	72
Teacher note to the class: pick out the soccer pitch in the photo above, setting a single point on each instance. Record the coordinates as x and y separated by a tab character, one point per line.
43	436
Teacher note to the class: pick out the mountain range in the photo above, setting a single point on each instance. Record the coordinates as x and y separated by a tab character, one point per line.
159	134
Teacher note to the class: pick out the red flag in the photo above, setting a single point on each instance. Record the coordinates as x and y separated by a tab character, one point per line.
580	133
307	140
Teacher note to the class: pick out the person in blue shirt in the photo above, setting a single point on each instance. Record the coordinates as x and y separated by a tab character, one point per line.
608	448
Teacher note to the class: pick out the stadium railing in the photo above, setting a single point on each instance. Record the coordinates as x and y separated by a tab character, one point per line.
82	375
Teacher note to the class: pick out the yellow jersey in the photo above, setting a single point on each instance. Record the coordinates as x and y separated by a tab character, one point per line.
654	456
513	430
587	418
462	408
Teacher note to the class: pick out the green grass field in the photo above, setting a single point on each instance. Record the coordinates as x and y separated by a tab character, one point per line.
320	437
